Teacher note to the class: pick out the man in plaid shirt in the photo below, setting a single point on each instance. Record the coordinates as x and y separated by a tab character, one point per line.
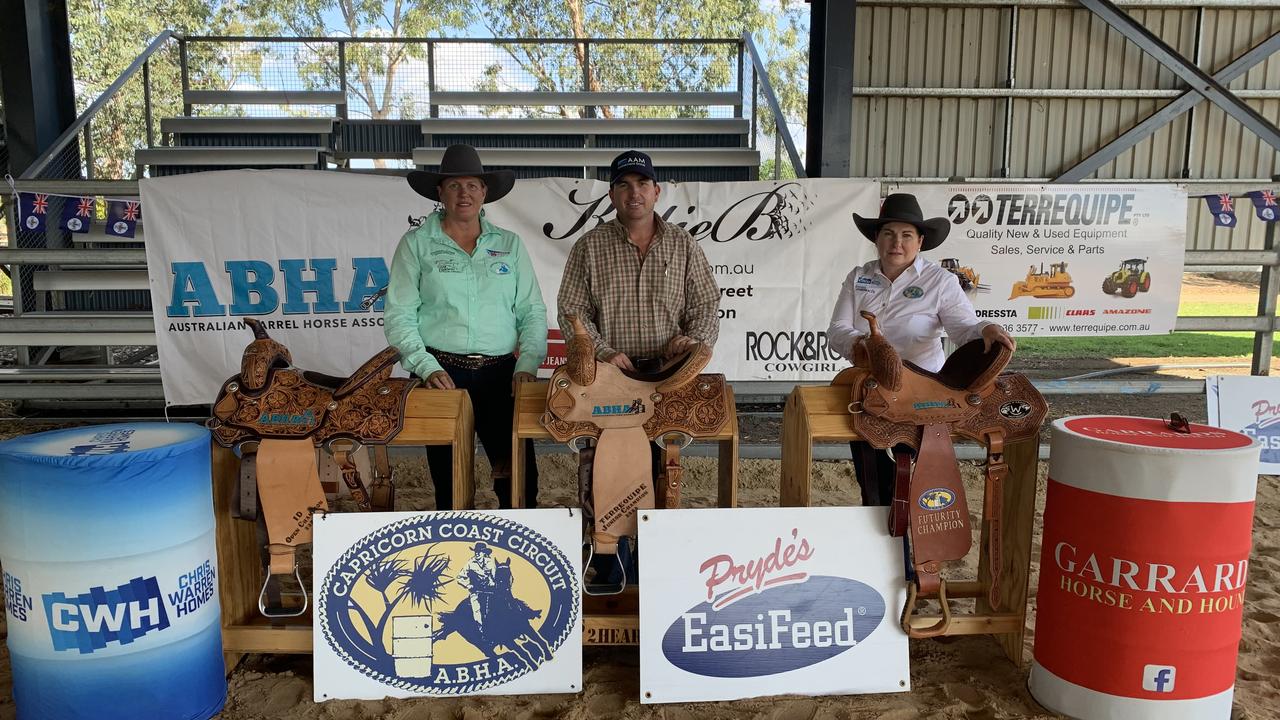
641	285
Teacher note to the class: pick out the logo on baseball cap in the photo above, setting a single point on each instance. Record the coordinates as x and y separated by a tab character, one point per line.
632	161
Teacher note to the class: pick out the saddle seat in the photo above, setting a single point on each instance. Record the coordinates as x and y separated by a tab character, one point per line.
609	416
895	404
276	416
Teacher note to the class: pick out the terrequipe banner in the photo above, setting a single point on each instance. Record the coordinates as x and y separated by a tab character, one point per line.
1062	260
301	251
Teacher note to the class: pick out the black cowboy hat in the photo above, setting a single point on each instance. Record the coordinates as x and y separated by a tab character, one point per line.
903	207
461	161
481	547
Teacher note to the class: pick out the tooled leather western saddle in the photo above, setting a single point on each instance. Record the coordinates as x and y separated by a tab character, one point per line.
897	403
620	412
276	417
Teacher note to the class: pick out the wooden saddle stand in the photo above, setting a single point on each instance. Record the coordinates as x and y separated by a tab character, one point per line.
289	426
608	416
898	405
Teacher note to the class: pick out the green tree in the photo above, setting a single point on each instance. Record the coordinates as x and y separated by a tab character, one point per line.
779	29
372	68
106	37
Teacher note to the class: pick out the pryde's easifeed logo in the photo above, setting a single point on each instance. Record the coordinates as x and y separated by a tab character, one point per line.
1266	428
769	615
449	603
88	621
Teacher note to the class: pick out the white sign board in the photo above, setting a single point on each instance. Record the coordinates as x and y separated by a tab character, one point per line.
300	250
447	603
807	602
1251	405
1058	260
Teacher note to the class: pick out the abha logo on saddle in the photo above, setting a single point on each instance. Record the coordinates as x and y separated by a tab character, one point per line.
448	603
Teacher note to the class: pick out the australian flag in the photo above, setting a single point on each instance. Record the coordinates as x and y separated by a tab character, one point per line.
1264	204
33	209
1223	208
122	217
77	214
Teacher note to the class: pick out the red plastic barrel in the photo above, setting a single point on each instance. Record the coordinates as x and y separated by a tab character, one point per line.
1147	533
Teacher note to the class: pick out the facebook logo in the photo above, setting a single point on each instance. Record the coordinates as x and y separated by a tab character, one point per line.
1158	678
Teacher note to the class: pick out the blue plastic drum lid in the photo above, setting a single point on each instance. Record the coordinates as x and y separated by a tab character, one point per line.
110	573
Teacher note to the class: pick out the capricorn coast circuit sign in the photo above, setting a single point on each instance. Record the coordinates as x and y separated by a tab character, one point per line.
1065	259
306	252
447	603
806	603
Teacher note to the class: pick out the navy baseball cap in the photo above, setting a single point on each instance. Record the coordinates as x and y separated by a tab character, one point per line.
632	161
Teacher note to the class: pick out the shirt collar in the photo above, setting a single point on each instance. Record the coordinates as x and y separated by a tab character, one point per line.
917	265
434	228
660	229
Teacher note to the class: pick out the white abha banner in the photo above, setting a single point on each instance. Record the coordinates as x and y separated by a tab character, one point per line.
1059	260
301	250
447	603
805	603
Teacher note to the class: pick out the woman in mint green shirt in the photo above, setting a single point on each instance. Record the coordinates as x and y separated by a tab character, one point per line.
465	311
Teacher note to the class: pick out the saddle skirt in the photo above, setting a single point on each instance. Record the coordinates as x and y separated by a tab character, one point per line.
270	398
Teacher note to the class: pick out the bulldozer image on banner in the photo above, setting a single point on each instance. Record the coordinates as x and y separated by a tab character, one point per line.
1129	280
1055	283
965	275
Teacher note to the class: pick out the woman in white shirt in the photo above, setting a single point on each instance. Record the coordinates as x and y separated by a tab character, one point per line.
914	301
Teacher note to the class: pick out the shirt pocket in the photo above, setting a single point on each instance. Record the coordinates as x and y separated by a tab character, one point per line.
498	284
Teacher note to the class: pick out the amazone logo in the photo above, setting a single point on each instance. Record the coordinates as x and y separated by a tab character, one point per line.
635	408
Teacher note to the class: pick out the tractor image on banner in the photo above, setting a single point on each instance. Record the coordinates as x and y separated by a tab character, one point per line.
1055	283
967	276
1129	280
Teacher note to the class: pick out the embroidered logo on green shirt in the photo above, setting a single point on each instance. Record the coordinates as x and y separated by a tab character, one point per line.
500	268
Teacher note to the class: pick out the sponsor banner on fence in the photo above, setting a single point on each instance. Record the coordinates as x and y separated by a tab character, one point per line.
806	603
301	251
1058	260
447	603
1251	405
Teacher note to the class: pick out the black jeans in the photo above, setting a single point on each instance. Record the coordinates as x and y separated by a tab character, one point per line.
493	406
875	471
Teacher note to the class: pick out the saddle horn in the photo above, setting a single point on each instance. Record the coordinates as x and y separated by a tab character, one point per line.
259	330
581	362
883	361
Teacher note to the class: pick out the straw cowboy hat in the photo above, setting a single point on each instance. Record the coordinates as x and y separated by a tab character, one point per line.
903	207
461	161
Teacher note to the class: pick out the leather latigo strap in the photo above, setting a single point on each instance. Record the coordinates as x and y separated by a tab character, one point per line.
669	482
289	492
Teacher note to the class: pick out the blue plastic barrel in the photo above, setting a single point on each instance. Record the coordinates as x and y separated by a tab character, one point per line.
110	573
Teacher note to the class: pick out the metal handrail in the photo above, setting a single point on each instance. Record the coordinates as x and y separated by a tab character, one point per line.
482	40
779	121
69	135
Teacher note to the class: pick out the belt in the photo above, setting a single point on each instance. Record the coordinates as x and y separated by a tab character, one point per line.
472	361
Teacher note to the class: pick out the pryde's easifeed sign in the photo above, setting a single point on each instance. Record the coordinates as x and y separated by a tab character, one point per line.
805	603
1250	405
447	603
1065	259
302	251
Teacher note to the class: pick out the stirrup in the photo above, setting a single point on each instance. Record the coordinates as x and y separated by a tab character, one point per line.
278	612
603	590
909	610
